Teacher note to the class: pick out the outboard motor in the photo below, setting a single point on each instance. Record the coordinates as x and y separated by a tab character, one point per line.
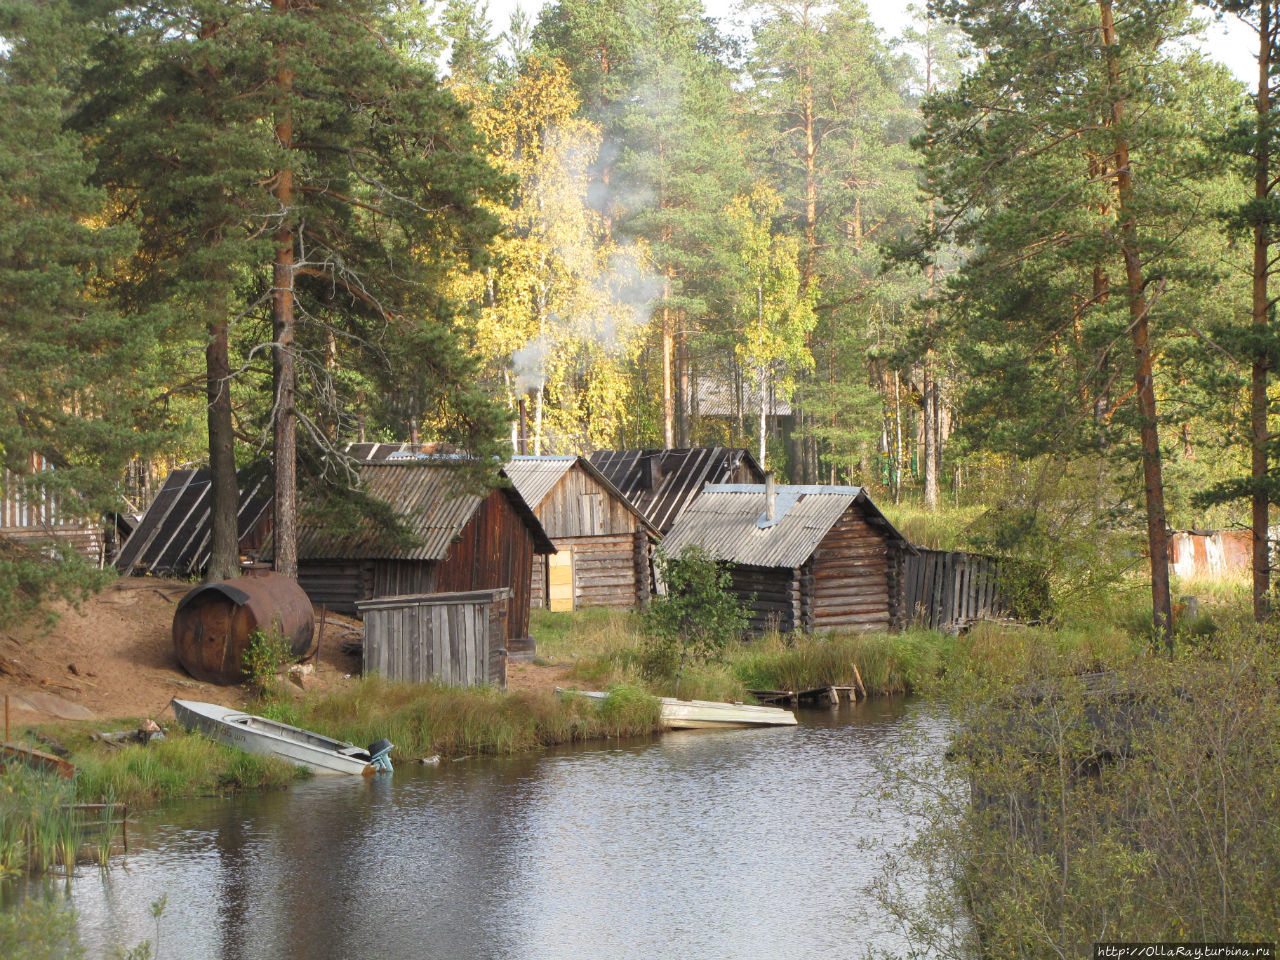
380	755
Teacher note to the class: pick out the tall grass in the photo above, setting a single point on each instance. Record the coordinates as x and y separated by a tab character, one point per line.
422	719
179	766
38	829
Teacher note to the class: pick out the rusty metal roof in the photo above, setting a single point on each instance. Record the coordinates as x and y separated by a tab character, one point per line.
728	521
680	474
536	477
172	538
432	500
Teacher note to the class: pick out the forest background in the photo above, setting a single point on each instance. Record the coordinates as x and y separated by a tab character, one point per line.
1018	255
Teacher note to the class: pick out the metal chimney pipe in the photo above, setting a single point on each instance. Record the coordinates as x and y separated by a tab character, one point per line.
770	495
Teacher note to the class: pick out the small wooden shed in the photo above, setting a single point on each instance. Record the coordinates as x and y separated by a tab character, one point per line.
602	541
454	638
461	541
802	558
662	483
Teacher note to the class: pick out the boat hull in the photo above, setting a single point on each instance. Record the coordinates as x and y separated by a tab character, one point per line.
710	715
254	734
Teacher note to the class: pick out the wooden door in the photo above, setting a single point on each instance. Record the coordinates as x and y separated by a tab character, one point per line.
560	580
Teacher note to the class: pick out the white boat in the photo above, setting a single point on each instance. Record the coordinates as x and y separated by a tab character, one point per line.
255	734
708	714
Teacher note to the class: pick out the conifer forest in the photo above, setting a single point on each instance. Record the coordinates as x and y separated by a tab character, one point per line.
1020	255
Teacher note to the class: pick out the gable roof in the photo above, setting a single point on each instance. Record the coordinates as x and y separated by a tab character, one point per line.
430	498
536	477
173	536
681	474
728	521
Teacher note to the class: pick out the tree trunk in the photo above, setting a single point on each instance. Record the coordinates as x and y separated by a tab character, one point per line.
682	366
668	400
224	492
1157	533
282	323
1259	468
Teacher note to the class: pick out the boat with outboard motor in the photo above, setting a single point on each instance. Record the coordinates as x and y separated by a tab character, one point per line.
260	735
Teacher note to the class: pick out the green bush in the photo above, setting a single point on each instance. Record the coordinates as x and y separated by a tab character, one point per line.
265	656
695	620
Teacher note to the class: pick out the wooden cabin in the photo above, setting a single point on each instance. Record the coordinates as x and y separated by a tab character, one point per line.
662	483
35	517
461	541
602	541
802	558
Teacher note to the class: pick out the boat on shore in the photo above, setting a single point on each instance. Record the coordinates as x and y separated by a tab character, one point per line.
707	714
255	734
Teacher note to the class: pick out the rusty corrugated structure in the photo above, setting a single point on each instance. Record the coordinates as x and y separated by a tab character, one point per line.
214	624
602	540
461	541
173	537
35	517
1195	553
822	557
661	483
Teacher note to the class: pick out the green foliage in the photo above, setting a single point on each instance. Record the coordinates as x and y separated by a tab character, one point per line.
266	655
697	617
33	573
1136	803
39	928
38	829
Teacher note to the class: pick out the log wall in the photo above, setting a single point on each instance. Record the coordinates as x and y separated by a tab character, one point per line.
454	638
852	570
771	596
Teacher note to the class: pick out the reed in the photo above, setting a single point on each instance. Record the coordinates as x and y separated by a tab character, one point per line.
38	828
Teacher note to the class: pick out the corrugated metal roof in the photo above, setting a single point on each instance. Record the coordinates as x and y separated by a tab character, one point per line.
535	477
727	520
173	536
681	474
432	501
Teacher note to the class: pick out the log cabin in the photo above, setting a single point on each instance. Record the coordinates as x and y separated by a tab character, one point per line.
32	516
602	540
461	541
802	558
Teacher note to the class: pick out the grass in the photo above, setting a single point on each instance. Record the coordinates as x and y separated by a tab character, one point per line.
38	828
425	719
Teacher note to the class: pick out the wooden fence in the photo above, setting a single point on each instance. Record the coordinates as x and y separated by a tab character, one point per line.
944	590
456	638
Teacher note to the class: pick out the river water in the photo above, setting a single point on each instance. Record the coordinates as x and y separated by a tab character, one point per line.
696	844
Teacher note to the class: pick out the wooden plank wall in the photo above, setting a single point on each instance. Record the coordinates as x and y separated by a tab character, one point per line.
851	576
579	506
770	594
455	638
942	590
39	518
495	549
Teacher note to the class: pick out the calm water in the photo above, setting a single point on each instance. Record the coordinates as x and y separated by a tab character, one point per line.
700	844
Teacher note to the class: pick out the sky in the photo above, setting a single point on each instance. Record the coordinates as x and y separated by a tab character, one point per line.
1230	42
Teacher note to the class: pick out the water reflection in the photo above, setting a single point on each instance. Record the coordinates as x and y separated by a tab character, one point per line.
698	844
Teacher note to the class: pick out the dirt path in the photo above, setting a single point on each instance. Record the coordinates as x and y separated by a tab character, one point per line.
113	659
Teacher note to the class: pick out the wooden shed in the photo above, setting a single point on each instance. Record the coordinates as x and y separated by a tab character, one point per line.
454	638
803	558
461	542
602	541
662	483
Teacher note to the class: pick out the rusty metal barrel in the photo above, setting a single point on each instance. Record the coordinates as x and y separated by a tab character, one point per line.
214	623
